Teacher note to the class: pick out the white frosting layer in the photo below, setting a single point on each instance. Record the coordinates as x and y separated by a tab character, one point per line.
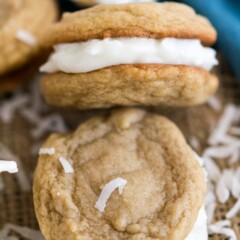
121	1
199	231
96	54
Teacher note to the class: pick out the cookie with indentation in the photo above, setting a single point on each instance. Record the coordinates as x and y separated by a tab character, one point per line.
22	27
164	184
130	54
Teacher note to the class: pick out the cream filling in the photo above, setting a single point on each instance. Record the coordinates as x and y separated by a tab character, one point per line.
96	54
121	1
199	231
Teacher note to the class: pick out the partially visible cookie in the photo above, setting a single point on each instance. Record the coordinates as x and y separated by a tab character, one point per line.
22	27
130	85
94	2
16	79
164	184
151	20
130	54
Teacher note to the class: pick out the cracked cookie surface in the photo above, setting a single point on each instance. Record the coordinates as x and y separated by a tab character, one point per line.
130	85
153	20
161	200
27	15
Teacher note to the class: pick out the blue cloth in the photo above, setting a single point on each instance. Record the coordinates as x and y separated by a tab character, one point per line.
225	16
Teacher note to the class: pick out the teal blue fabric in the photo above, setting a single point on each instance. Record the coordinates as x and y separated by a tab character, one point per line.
225	16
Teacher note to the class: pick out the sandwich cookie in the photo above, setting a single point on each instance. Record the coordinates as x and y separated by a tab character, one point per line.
95	2
22	26
130	175
130	54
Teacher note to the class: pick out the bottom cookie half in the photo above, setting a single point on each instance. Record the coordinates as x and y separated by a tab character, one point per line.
130	85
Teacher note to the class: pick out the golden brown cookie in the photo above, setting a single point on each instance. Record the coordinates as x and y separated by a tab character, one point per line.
130	85
165	184
151	20
22	26
174	81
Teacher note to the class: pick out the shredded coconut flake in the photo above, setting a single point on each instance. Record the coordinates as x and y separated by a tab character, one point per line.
235	209
108	190
234	157
234	130
213	170
66	165
9	107
51	123
26	37
228	140
30	116
194	142
48	151
8	166
227	177
221	152
210	209
214	229
223	223
24	232
215	103
224	123
224	145
237	173
235	187
222	191
21	175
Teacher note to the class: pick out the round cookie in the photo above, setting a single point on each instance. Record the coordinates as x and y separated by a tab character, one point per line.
128	84
19	21
165	184
151	20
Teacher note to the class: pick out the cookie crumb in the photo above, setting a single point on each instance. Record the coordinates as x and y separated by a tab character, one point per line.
123	120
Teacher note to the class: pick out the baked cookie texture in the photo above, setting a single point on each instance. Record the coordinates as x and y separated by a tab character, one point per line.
161	200
31	16
129	85
151	20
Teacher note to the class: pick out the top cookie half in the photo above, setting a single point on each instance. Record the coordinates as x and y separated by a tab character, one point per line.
151	20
